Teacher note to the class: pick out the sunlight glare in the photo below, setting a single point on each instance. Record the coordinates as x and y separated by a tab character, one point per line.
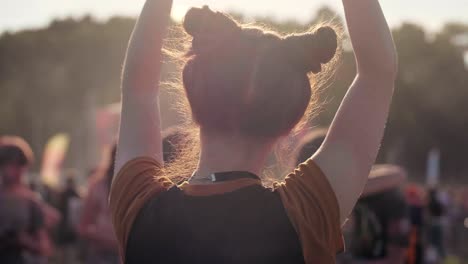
178	12
466	58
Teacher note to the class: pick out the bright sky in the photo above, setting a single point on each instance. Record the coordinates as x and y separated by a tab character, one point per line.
19	14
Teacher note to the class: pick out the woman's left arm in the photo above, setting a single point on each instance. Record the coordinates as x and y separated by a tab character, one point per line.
354	137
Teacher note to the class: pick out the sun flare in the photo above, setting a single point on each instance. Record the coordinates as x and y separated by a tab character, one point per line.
179	11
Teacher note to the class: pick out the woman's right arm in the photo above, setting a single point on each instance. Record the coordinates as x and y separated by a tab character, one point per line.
139	133
353	141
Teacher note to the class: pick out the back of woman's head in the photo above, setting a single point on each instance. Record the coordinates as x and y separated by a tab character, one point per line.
248	81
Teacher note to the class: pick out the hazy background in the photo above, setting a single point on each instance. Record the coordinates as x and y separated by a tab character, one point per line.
60	64
18	14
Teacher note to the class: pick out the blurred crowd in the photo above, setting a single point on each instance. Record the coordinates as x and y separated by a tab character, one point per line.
409	224
39	224
405	223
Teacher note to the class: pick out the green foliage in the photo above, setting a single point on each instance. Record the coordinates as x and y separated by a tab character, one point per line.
51	80
430	106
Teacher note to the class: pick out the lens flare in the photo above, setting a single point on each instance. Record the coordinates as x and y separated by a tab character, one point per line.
178	12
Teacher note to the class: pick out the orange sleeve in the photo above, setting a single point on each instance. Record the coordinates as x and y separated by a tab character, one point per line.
312	207
137	181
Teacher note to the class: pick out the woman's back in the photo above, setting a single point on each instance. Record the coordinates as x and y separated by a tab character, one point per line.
248	225
233	221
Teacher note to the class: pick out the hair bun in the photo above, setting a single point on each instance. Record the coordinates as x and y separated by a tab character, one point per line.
309	50
327	43
199	22
194	20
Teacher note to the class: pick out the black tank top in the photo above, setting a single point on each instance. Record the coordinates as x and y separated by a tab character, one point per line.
248	225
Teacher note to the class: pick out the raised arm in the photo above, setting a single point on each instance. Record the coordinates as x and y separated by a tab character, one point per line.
353	141
140	133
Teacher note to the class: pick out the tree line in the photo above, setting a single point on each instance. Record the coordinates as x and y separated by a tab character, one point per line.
53	79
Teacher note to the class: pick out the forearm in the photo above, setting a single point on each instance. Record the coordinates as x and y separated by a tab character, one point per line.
143	59
371	38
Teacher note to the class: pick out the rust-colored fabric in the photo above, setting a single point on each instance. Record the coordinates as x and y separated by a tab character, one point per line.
313	209
136	183
307	196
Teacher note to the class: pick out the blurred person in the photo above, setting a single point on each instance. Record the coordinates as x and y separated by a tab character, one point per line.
247	88
378	229
23	232
95	225
35	187
435	231
452	209
416	205
381	230
69	203
463	224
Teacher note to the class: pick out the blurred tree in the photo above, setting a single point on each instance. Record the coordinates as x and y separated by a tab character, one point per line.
52	80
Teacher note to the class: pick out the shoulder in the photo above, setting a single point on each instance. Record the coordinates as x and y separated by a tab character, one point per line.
308	183
313	209
138	180
133	186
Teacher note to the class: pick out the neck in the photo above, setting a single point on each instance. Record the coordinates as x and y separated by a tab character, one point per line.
222	153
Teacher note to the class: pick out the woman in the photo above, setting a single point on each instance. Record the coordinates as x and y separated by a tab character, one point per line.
246	89
95	225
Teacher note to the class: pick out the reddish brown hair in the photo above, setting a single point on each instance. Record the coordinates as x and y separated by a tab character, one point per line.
249	81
